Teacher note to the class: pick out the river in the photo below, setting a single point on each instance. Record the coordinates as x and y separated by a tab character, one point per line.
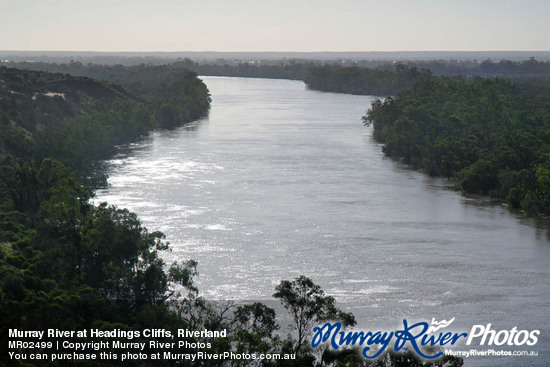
280	181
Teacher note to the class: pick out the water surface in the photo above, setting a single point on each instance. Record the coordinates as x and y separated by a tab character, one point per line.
280	181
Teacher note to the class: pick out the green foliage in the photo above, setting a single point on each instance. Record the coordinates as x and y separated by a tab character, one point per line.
64	262
308	306
478	178
79	121
491	135
138	79
253	327
357	80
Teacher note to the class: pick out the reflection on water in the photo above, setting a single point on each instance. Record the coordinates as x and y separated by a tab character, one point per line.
279	181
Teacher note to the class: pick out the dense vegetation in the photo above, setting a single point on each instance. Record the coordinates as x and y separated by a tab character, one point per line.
139	78
356	80
492	135
530	68
368	77
293	70
383	79
277	68
66	263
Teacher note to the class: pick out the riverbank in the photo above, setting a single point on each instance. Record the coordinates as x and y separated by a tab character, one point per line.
65	263
489	135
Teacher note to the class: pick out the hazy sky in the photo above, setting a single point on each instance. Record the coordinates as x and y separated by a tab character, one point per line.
276	25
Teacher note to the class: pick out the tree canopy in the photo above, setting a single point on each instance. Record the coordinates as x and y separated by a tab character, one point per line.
491	135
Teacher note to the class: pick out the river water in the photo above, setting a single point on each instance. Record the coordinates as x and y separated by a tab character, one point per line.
280	181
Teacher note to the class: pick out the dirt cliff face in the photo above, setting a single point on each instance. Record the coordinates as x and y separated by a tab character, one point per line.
30	100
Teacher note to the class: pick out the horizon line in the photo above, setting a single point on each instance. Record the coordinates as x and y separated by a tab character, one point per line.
304	52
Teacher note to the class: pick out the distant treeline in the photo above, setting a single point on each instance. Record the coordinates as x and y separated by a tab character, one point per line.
356	80
374	77
138	78
389	79
493	136
285	70
530	68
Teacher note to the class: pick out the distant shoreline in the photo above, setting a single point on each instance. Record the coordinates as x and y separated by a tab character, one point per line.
266	55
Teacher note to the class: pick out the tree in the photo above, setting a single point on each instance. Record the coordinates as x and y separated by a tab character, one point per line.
253	331
308	305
